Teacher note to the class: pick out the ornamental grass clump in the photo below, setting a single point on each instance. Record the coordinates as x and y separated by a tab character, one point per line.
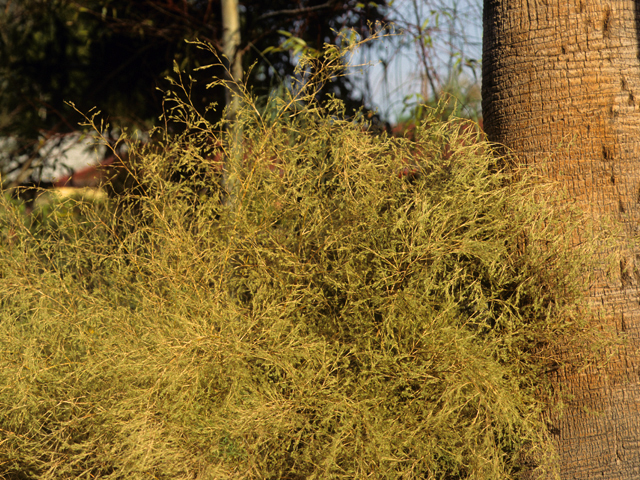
287	297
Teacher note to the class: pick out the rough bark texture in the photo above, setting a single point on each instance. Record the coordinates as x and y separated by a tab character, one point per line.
561	88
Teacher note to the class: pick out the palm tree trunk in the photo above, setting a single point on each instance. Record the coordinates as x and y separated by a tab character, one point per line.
561	89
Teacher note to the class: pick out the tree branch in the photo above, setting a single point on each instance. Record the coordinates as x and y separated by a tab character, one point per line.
297	11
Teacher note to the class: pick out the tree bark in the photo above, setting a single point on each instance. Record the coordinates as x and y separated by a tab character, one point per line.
231	49
561	89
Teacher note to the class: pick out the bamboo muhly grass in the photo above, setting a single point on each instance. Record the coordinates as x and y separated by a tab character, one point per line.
339	320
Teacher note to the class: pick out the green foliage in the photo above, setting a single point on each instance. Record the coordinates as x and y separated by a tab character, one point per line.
114	54
332	304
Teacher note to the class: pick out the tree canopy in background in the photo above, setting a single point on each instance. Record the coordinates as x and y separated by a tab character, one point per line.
114	55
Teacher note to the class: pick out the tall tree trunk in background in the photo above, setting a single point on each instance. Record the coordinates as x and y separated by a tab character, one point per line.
231	48
561	88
